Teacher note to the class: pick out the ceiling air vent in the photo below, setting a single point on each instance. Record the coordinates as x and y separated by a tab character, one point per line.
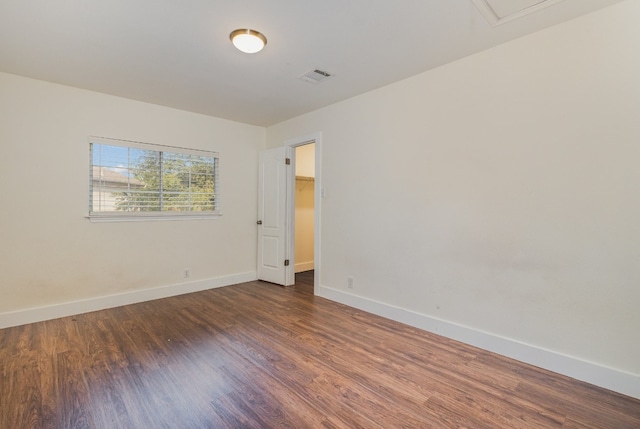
315	76
500	11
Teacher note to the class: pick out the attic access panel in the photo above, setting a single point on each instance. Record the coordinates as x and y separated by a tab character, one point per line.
500	11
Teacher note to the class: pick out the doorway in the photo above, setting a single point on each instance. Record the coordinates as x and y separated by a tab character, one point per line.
304	207
305	192
277	213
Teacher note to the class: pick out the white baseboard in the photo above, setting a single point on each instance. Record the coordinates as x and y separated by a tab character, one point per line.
609	378
304	266
38	314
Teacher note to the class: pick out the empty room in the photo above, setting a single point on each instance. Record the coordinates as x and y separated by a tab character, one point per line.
339	214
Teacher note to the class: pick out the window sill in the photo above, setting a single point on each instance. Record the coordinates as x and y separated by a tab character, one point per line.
149	217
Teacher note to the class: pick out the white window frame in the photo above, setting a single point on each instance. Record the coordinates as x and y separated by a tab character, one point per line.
127	216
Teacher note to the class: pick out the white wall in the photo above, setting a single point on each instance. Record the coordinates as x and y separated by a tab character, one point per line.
50	254
497	197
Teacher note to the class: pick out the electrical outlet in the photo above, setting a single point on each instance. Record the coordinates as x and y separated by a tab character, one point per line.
186	273
350	282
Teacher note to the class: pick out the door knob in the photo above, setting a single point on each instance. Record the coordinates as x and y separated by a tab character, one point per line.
259	222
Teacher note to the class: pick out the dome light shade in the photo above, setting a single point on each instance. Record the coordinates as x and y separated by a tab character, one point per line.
248	41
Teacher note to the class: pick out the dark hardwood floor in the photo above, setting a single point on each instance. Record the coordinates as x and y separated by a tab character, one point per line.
257	355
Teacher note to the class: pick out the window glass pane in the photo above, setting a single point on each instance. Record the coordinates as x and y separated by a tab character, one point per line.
135	180
145	167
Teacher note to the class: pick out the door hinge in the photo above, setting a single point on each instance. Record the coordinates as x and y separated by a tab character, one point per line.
286	262
287	161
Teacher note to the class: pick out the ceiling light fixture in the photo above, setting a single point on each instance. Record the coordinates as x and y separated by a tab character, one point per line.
248	41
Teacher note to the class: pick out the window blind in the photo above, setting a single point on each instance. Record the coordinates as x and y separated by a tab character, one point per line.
140	179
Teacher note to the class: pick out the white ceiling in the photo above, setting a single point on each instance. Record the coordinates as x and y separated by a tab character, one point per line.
178	54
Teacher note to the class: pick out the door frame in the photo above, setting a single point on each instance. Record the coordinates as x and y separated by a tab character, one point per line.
318	195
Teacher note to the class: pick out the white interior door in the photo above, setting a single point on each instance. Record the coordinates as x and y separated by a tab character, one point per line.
275	263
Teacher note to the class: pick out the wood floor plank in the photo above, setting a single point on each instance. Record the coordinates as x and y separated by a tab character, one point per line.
256	355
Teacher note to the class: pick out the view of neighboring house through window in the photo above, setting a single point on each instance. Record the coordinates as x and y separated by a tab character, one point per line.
139	179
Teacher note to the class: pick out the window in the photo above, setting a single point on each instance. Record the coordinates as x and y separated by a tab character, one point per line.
138	181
